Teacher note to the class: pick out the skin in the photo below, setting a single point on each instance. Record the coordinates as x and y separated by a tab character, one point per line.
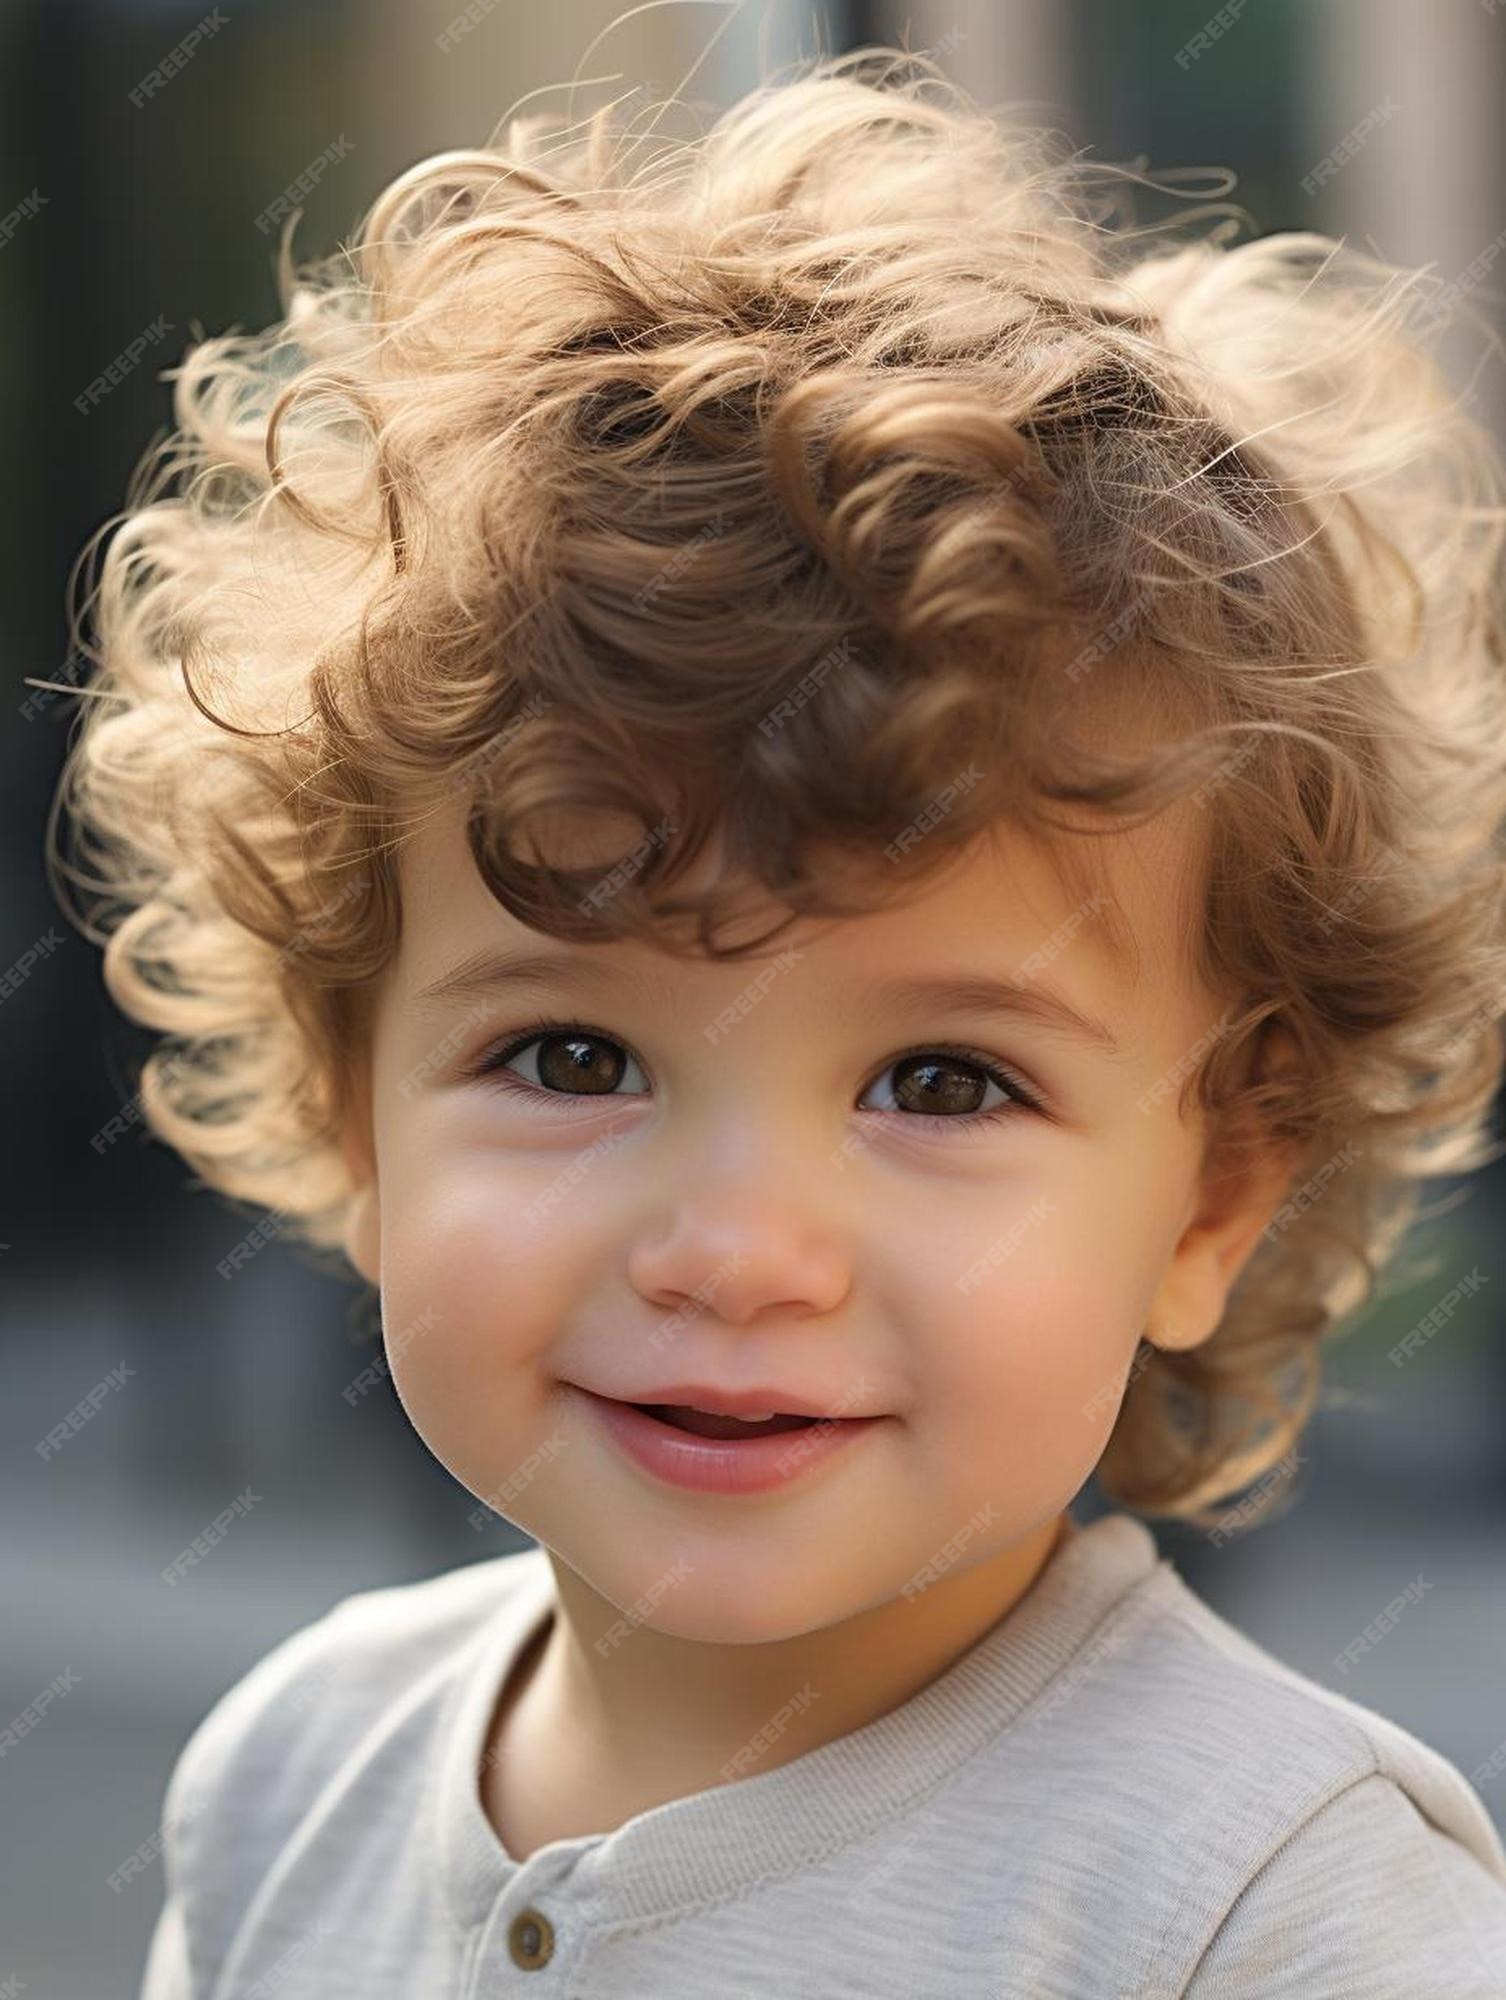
712	1166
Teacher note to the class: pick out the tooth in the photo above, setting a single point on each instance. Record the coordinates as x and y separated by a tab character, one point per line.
749	1417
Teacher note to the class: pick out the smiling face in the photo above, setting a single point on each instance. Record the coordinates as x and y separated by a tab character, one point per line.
792	1171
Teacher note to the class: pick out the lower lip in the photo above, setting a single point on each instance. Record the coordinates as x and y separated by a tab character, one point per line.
725	1465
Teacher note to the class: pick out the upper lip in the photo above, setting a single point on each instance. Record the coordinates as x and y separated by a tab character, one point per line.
732	1402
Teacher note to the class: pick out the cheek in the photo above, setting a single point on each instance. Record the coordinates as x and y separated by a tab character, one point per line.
478	1275
1031	1351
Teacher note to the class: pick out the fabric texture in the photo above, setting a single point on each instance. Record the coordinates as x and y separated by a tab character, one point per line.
1113	1795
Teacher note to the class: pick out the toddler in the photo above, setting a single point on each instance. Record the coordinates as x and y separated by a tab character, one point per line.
976	735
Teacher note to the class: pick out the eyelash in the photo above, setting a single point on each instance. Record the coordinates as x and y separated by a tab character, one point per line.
490	1068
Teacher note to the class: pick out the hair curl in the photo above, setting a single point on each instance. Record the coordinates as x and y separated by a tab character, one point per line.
762	489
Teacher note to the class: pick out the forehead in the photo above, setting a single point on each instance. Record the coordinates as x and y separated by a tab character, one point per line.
1119	908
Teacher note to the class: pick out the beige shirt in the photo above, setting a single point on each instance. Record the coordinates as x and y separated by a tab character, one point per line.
1113	1793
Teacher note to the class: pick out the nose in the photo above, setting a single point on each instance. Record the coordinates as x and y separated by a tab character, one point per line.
726	1253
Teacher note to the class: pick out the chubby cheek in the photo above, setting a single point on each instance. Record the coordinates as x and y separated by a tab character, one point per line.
1024	1363
477	1279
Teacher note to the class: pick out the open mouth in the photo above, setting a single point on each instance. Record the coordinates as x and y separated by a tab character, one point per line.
705	1452
701	1423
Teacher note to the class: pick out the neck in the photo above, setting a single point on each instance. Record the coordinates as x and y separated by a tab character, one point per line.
822	1684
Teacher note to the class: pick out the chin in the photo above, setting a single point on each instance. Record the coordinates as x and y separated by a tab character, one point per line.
719	1599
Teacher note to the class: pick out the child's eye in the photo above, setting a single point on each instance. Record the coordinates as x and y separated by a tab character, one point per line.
570	1060
952	1085
567	1060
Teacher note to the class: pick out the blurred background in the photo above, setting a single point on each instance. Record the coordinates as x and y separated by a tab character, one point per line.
127	207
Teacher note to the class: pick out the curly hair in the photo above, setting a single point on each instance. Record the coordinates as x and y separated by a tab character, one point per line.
758	489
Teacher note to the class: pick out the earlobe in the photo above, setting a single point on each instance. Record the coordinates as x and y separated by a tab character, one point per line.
1214	1248
362	1234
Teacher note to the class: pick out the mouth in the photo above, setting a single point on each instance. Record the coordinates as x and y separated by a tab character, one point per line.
710	1452
711	1424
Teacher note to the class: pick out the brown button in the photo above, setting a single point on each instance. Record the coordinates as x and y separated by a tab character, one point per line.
530	1939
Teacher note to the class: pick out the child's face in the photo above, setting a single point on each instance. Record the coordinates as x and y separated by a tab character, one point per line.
981	1287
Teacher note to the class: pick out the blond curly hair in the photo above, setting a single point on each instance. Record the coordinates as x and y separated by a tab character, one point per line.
569	483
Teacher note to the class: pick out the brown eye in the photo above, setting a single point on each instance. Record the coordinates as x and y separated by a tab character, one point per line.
566	1062
579	1062
951	1086
942	1085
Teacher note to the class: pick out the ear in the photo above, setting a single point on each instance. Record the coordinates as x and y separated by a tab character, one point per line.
1231	1213
362	1240
361	1237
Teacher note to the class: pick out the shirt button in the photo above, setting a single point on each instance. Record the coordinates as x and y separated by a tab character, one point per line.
530	1939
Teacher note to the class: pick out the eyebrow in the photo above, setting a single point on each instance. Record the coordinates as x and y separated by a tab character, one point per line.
492	970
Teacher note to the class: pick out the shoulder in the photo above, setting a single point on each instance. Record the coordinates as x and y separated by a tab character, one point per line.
348	1664
1291	1827
1366	1896
258	1762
